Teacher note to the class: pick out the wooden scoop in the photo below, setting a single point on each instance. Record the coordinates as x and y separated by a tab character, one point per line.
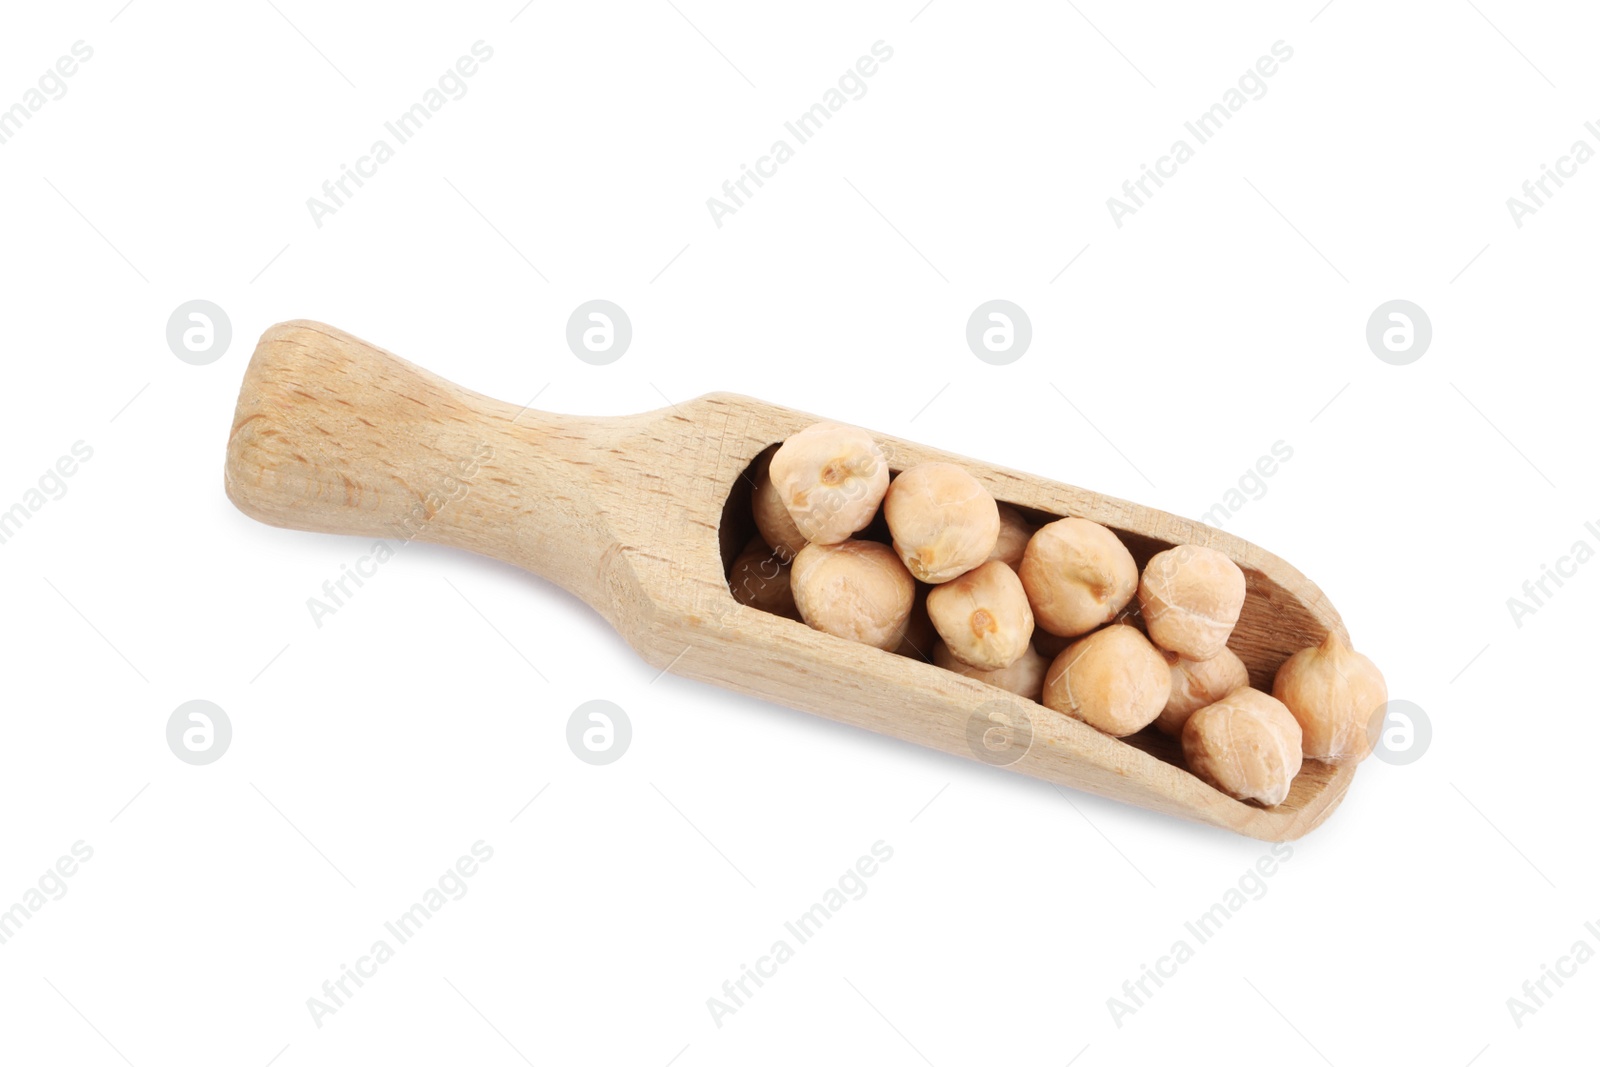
641	516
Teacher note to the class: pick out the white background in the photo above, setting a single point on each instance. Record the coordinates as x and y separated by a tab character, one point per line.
369	754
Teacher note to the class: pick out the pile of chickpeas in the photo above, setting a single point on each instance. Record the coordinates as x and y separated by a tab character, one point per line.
1059	614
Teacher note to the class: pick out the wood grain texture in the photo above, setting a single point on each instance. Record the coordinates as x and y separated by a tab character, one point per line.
640	516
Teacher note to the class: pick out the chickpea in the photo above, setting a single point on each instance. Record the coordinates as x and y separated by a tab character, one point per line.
831	478
1114	680
772	516
1191	597
942	520
1198	682
983	616
1078	575
1246	744
759	577
858	590
1024	677
1015	533
1335	694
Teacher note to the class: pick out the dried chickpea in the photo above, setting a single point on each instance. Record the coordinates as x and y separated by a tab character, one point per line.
1246	744
1334	693
983	616
1024	677
1015	533
759	577
1191	597
831	478
1115	680
858	590
1198	682
772	516
1078	575
942	520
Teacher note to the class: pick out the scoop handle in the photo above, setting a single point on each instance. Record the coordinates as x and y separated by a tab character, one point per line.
335	435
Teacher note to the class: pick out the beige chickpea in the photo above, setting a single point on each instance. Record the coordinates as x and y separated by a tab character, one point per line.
1115	680
858	590
831	478
1015	533
1198	682
1336	695
942	520
1190	597
1246	744
759	577
773	520
983	616
1078	575
1024	677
